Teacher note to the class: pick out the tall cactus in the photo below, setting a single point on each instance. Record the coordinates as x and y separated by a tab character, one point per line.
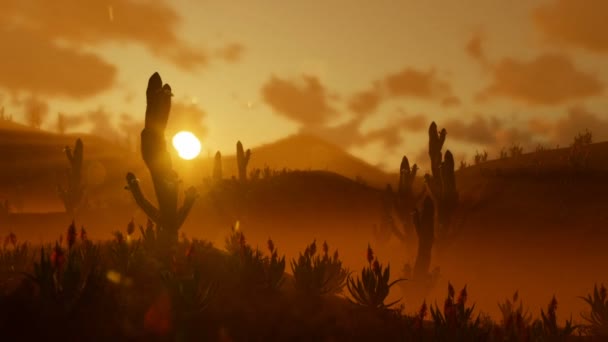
436	141
217	167
72	195
168	217
242	159
424	222
442	182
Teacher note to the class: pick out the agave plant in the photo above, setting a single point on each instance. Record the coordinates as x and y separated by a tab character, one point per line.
13	255
372	288
318	274
66	277
515	320
456	321
274	268
546	328
598	316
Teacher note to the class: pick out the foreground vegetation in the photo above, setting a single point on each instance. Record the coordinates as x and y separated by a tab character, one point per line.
126	289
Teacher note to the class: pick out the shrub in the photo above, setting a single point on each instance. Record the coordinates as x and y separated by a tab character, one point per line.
515	320
254	270
13	255
456	322
316	275
598	315
546	328
481	157
503	153
372	288
516	150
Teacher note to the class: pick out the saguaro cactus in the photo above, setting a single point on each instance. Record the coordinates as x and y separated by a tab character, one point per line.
436	141
168	217
424	222
72	195
442	182
217	167
242	159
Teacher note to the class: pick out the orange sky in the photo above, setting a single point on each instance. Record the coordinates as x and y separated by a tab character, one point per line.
369	76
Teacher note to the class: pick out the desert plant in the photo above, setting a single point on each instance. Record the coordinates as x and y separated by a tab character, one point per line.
73	195
125	251
255	174
66	278
480	157
504	154
274	268
456	323
217	167
516	321
13	255
540	148
424	221
407	176
516	150
316	275
547	329
583	138
579	150
442	182
597	317
463	165
242	159
371	289
167	217
254	270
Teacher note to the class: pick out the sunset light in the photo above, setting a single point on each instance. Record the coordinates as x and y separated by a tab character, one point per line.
187	145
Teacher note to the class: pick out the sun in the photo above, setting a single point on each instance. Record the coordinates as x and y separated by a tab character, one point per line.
187	145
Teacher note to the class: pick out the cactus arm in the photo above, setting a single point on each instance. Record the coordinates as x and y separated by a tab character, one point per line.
190	197
140	199
247	157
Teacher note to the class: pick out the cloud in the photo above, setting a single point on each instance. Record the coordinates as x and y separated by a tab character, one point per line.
478	131
35	110
549	79
574	23
451	101
304	100
474	47
44	43
231	53
350	134
153	24
31	62
187	116
578	120
366	102
102	124
414	83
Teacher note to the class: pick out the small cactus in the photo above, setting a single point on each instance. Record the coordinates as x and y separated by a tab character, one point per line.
217	167
73	195
242	159
424	221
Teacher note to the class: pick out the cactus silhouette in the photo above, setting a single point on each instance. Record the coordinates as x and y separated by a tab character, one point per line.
424	221
217	167
242	159
436	141
442	183
72	195
168	217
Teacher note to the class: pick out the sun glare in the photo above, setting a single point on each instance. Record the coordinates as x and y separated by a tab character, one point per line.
187	145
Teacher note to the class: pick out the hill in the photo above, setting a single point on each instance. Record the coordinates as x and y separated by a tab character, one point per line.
306	152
